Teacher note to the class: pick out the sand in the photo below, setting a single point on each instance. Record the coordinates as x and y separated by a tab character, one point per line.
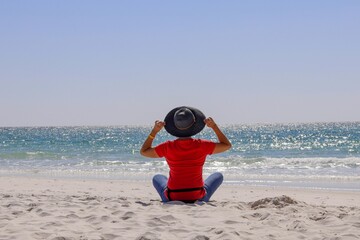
45	208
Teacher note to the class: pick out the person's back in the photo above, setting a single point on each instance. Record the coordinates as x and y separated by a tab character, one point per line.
185	156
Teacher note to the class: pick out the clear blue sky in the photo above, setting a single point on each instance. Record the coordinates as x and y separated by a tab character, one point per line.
130	62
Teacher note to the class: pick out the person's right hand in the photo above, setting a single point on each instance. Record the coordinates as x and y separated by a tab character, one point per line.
210	122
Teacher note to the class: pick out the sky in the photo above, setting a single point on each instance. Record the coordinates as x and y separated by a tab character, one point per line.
98	63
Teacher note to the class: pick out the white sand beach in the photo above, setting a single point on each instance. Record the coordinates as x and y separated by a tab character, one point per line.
45	208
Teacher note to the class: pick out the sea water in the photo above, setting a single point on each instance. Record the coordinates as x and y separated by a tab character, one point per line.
316	155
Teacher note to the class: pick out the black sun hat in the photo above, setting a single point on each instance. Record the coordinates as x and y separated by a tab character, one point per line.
184	121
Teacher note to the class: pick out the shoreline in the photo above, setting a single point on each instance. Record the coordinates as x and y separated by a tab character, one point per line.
58	208
332	184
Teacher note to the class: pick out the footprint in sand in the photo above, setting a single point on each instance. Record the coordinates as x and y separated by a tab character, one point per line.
127	215
39	211
201	237
40	235
166	220
143	203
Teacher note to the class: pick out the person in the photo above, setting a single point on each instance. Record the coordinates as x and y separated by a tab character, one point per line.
185	156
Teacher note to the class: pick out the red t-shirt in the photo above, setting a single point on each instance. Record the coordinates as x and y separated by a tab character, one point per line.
186	158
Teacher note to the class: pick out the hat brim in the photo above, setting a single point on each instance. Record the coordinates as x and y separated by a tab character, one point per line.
193	130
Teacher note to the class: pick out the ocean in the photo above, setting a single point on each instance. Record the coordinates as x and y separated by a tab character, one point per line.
316	155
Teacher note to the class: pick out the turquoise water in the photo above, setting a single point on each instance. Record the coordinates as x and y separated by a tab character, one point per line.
325	155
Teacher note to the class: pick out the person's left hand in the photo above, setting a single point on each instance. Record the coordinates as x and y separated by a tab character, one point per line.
158	126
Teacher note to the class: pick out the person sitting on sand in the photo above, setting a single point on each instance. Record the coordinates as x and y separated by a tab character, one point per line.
185	156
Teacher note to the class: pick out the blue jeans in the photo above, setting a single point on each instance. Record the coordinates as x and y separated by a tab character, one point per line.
211	184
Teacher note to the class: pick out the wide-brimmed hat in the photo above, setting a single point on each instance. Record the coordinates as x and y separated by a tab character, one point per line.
184	121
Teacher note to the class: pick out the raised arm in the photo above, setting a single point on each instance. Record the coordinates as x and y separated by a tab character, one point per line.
224	143
147	150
